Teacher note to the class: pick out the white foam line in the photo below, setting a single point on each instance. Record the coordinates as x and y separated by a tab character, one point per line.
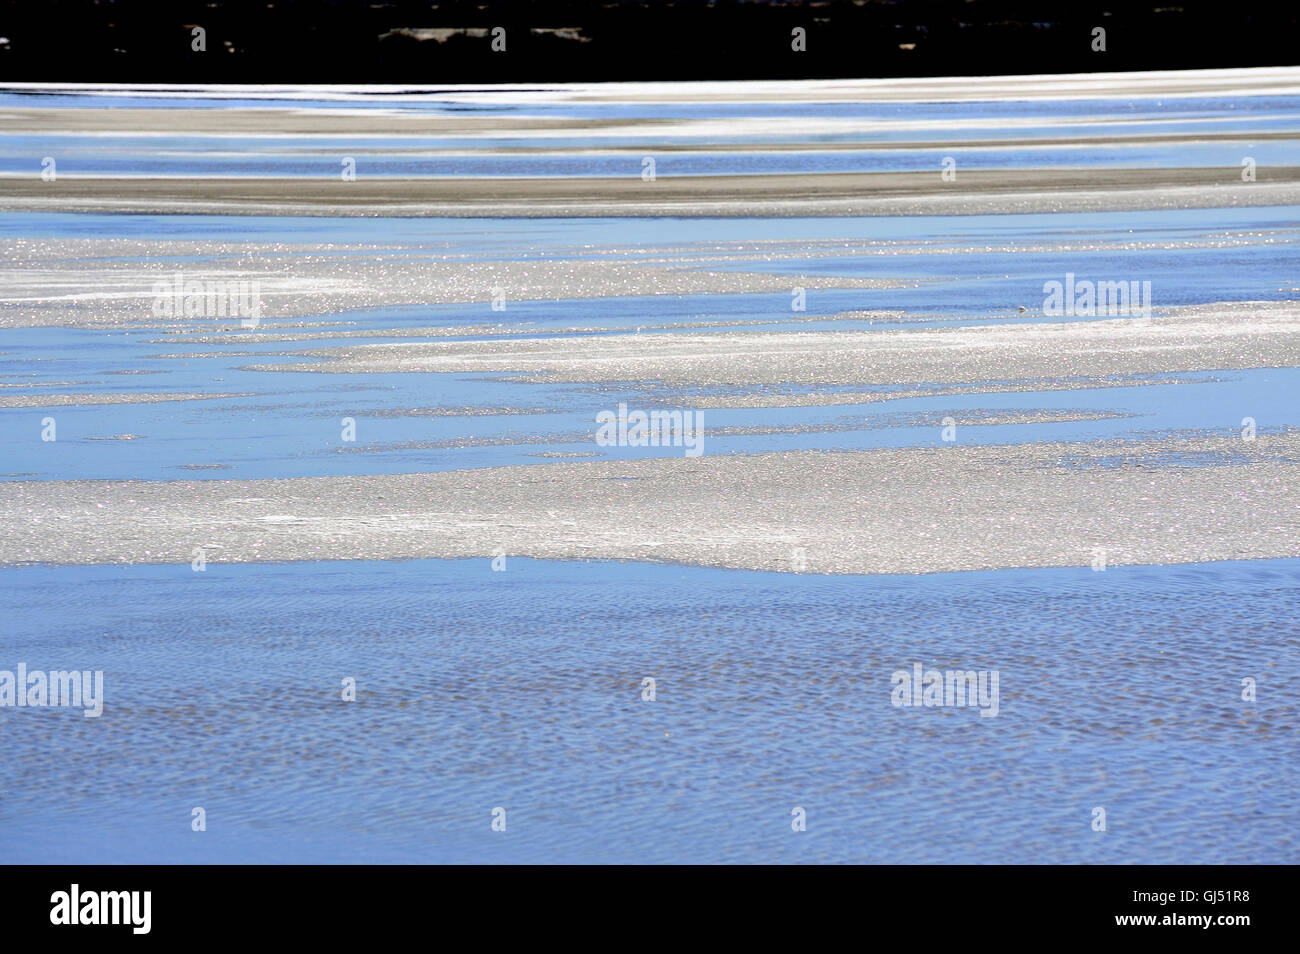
1155	83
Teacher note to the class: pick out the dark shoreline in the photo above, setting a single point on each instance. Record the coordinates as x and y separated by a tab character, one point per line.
403	41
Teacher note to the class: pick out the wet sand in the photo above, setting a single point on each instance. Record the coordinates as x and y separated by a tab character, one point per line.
830	194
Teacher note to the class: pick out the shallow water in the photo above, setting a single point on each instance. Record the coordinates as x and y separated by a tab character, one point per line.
521	689
952	272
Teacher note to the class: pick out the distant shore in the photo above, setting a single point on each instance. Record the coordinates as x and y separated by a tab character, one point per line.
530	127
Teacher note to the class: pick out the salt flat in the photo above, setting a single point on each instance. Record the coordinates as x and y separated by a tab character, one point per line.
908	511
1203	337
394	475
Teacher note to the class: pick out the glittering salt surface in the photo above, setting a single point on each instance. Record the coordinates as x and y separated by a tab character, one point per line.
1203	337
111	282
87	400
915	510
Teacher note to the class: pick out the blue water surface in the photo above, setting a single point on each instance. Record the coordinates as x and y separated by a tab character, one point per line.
523	690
